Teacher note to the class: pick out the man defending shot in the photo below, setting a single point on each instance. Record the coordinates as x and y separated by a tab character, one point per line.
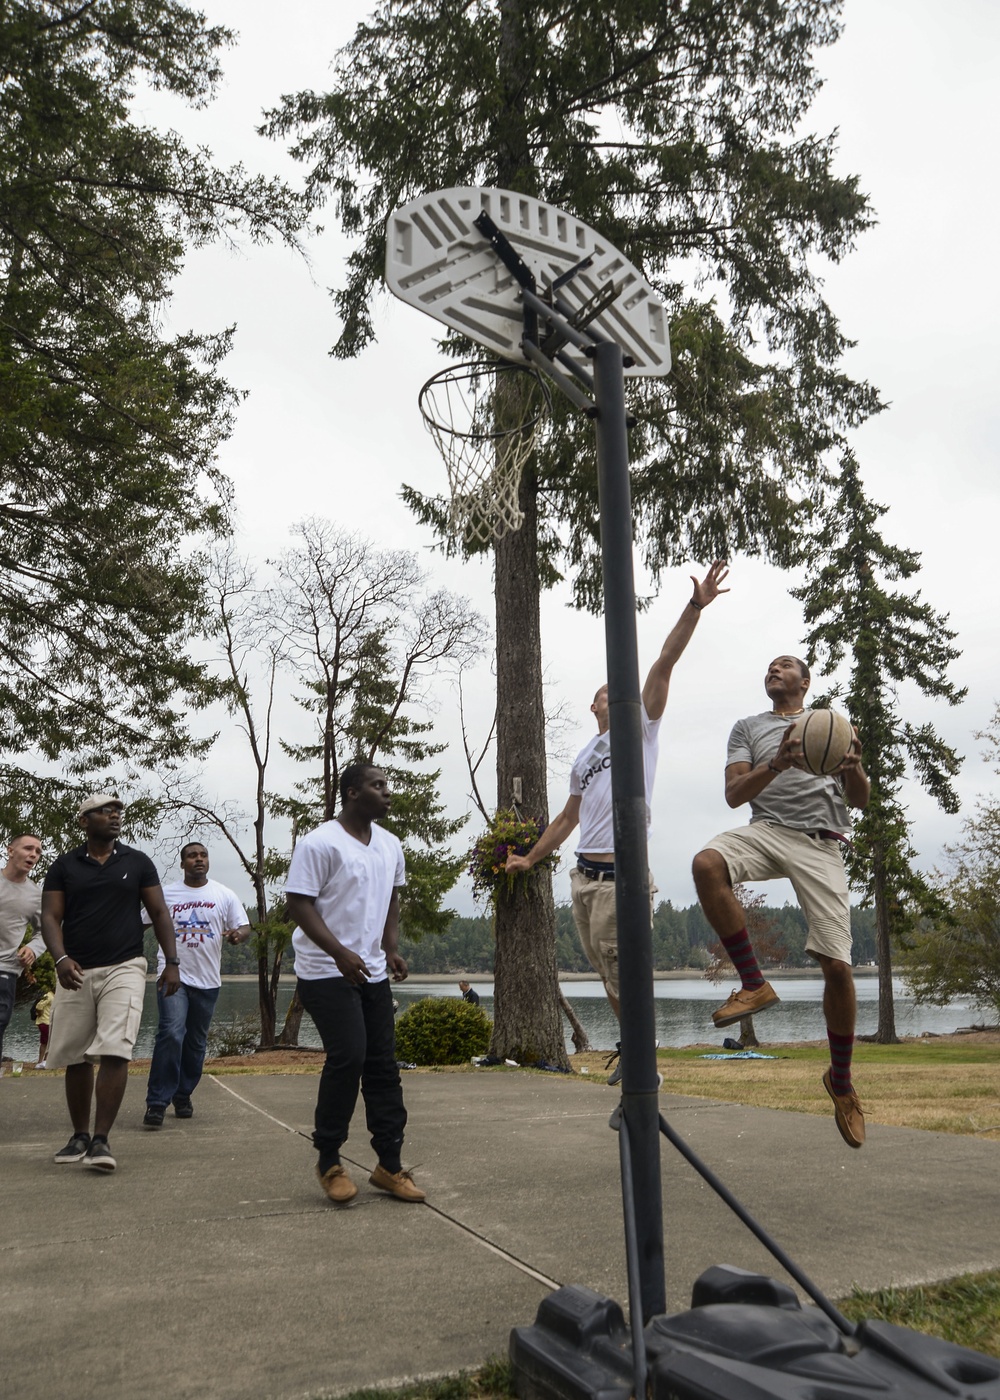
797	830
590	806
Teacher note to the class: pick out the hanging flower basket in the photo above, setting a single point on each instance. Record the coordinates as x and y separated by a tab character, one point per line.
507	834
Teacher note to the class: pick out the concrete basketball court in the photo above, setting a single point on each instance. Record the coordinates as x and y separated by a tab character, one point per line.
210	1264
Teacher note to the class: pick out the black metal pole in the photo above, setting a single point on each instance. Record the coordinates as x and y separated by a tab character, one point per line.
640	1083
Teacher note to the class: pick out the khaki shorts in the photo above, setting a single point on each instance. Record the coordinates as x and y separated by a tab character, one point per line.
596	922
814	865
101	1017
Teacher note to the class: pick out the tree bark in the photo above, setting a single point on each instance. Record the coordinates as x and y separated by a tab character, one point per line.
748	1036
265	1002
581	1041
886	1031
526	1023
293	1020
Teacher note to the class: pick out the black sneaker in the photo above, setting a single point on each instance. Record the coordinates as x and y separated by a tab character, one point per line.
615	1076
183	1108
99	1157
75	1150
154	1115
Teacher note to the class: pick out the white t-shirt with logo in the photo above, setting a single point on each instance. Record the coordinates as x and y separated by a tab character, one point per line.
590	780
352	884
201	914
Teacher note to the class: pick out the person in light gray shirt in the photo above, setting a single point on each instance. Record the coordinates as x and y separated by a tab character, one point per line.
20	907
798	826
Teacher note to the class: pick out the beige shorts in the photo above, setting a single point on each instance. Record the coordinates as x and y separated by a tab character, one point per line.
814	865
101	1017
596	922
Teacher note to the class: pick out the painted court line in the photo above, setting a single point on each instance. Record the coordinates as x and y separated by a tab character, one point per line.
263	1112
496	1249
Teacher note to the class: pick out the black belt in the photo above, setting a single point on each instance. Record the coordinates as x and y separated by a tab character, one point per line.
832	836
593	871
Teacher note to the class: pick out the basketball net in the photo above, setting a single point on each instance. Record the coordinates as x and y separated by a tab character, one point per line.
484	417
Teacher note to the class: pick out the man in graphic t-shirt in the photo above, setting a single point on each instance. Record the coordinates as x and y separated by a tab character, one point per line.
205	915
343	893
589	804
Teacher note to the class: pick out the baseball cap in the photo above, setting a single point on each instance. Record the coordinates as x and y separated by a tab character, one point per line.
99	799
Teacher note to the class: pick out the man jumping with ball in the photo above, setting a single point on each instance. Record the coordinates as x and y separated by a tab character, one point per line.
797	831
589	804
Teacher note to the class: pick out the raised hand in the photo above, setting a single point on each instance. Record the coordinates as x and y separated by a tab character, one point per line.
710	587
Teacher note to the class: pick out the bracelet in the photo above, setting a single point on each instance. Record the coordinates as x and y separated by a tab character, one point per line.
59	960
693	604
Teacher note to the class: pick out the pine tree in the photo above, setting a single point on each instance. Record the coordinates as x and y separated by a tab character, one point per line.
959	955
892	638
674	129
108	430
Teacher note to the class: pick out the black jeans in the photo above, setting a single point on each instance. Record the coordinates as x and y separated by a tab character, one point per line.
8	990
358	1032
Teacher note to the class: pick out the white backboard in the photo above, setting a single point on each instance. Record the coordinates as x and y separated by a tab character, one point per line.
438	262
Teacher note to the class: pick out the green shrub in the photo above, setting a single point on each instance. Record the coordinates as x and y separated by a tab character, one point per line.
442	1031
239	1035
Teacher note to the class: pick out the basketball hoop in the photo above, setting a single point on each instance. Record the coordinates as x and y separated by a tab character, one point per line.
484	416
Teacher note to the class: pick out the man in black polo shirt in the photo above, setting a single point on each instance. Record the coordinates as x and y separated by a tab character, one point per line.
92	902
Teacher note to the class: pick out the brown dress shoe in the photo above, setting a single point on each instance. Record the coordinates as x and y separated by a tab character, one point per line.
398	1184
337	1185
745	1003
847	1111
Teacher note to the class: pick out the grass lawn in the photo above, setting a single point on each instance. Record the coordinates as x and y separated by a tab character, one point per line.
942	1084
945	1084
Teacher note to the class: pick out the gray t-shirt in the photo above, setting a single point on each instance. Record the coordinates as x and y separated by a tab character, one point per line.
20	905
794	798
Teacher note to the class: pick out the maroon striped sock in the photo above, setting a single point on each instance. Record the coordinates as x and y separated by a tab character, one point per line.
841	1049
741	954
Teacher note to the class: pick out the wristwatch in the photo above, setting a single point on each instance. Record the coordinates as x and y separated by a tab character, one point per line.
172	962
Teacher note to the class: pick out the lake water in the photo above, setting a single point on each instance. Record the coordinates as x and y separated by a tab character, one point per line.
683	1012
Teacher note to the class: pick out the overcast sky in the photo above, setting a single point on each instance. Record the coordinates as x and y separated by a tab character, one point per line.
910	87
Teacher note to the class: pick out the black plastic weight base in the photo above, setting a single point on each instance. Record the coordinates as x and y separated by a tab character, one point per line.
745	1337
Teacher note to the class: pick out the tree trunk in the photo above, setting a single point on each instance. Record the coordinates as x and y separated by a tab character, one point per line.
526	1025
886	1032
293	1020
265	1001
581	1041
748	1036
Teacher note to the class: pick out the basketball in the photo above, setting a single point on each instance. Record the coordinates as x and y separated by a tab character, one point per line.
826	738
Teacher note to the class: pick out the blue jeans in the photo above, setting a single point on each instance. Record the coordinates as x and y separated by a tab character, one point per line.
179	1048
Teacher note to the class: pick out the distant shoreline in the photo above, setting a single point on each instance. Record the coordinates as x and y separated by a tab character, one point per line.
674	975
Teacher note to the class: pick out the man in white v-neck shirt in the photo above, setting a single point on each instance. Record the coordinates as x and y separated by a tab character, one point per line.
343	893
590	805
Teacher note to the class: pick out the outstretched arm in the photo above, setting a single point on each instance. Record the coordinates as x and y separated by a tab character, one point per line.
550	840
654	692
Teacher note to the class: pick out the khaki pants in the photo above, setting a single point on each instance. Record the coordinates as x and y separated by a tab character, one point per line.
596	919
101	1017
766	851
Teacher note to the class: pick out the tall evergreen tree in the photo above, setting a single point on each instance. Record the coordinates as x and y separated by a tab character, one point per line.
108	429
674	129
959	955
892	637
